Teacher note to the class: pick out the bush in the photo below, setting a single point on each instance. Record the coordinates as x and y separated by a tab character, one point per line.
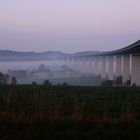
119	81
34	83
13	81
107	83
59	84
128	83
65	84
47	83
134	85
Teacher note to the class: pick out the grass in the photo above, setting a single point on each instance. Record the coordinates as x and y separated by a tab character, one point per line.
71	81
69	112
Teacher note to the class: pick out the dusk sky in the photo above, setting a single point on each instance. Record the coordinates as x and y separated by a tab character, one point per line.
68	25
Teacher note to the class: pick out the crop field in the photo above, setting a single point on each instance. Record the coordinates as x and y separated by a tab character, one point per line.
68	112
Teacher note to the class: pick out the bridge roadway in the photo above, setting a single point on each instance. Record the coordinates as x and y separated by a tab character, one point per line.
124	62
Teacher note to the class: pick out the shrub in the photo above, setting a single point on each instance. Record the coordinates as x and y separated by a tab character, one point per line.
47	83
13	81
107	83
34	83
134	85
119	81
65	84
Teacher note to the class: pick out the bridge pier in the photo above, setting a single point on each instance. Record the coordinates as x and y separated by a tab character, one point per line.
99	65
118	69
104	72
96	67
125	68
135	70
110	68
107	66
114	67
90	65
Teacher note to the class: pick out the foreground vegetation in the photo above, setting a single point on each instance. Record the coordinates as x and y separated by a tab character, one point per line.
66	112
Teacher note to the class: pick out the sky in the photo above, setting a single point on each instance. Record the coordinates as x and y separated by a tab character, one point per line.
68	25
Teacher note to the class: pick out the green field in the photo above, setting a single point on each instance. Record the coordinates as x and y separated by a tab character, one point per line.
68	112
89	81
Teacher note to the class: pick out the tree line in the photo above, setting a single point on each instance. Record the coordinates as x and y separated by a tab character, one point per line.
6	79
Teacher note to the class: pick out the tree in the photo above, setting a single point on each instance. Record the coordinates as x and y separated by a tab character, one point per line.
1	78
119	81
47	83
65	84
59	84
6	79
34	83
128	82
134	85
107	83
13	80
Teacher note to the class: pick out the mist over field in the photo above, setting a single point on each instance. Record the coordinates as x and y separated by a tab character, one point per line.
38	32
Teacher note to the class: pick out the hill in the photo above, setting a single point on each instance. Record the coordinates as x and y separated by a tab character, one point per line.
9	55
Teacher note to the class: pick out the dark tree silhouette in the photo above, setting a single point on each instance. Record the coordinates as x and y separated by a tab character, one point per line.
6	79
65	84
107	83
34	83
13	80
119	81
47	83
1	78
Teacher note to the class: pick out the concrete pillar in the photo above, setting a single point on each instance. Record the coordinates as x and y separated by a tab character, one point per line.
131	64
110	68
107	66
96	70
114	67
99	65
93	66
80	65
83	65
135	70
86	63
90	66
118	70
125	68
104	72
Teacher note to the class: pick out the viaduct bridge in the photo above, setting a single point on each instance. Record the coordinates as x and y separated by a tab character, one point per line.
123	62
